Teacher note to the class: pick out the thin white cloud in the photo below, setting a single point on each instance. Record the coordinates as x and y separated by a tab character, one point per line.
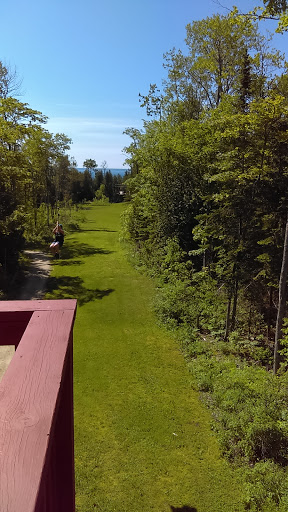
98	138
89	124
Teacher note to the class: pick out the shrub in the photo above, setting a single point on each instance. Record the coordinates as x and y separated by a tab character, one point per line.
192	302
266	488
251	414
173	303
206	370
248	349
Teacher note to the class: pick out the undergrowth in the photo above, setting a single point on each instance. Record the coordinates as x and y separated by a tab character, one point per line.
233	374
38	230
249	410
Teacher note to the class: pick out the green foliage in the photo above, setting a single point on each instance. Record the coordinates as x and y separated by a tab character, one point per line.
248	349
266	487
284	346
35	225
275	6
276	9
33	168
35	175
87	186
90	164
214	182
152	102
100	195
173	304
205	369
251	417
192	304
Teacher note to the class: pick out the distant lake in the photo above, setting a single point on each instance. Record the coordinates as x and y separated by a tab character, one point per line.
113	171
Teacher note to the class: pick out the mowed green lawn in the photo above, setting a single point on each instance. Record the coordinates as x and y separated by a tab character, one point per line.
143	441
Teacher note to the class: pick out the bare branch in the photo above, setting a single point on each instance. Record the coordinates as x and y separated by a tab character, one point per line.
10	83
220	5
249	14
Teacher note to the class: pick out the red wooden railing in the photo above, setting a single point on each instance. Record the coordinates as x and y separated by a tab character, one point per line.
36	407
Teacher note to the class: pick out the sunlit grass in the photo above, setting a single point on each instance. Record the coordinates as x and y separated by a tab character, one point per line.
143	441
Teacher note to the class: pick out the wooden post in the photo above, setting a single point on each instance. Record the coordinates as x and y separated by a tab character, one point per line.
36	407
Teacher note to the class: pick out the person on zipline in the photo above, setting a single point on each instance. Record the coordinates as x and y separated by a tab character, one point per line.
58	241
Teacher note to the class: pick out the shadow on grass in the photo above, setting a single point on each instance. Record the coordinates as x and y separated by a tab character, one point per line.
100	229
67	287
185	508
67	263
79	249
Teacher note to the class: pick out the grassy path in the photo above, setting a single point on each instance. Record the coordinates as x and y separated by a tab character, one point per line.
142	437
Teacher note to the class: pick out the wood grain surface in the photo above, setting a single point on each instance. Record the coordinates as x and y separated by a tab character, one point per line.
36	413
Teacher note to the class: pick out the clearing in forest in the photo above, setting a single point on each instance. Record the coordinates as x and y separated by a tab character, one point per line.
143	440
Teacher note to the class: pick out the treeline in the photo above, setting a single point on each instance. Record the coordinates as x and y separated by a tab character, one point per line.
33	170
36	176
97	183
207	218
210	174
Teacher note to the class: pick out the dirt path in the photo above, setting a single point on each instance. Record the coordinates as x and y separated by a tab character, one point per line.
35	276
33	287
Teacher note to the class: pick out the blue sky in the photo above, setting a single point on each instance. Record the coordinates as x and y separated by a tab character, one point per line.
84	62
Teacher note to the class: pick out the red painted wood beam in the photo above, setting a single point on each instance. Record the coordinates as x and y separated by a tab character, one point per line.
36	413
38	305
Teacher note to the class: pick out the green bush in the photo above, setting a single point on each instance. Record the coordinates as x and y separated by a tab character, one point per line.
11	243
249	407
266	488
251	417
254	349
173	304
38	233
194	345
206	369
192	301
174	263
36	228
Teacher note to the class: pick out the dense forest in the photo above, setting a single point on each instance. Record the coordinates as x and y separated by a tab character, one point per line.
37	177
208	218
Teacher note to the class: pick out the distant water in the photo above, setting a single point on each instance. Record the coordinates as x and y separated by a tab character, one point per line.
113	171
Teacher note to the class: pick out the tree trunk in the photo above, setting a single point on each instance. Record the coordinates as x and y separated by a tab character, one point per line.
204	264
35	217
234	309
269	319
249	321
281	302
227	328
48	218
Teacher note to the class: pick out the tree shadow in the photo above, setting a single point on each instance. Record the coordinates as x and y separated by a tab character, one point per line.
65	263
75	249
67	287
99	229
185	508
35	255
